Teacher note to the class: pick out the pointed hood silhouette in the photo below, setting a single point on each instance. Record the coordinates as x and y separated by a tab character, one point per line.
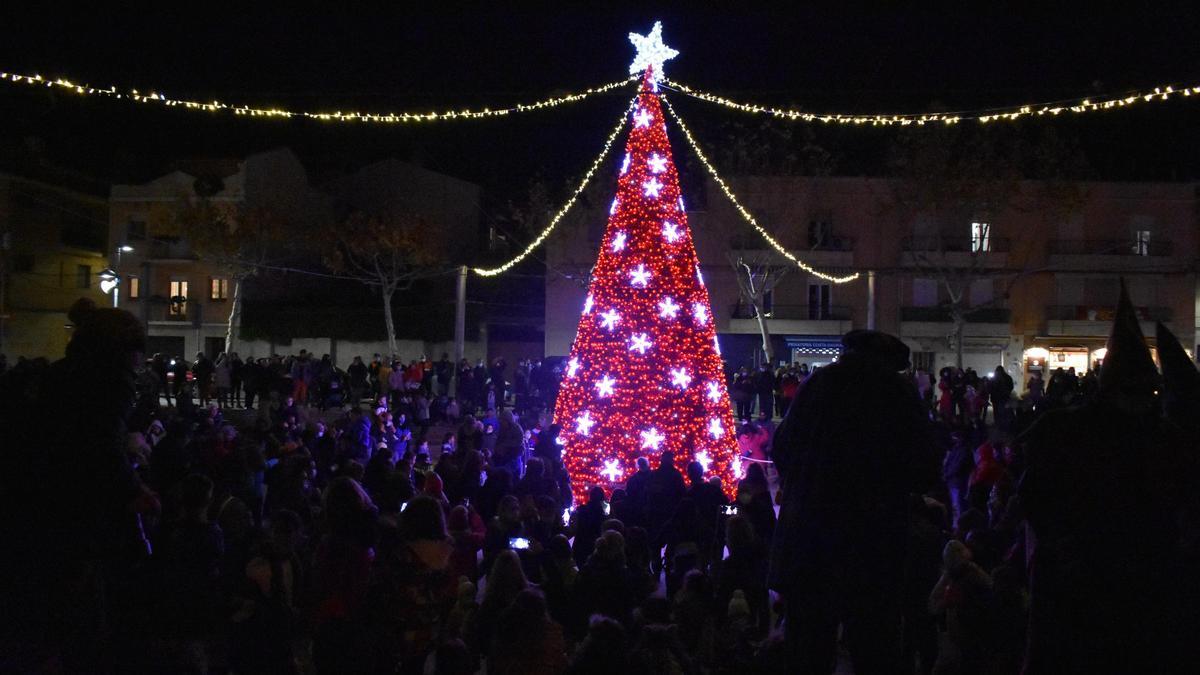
1128	374
1181	381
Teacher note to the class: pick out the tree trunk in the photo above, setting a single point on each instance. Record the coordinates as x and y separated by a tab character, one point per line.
235	315
960	324
768	350
387	319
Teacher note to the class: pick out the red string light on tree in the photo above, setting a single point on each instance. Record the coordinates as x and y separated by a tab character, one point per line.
646	375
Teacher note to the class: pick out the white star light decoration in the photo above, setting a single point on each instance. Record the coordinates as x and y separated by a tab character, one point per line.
651	438
640	343
700	313
680	378
651	52
619	242
715	428
667	309
641	119
714	392
584	424
640	276
610	319
652	187
671	232
612	470
604	387
657	163
572	367
704	460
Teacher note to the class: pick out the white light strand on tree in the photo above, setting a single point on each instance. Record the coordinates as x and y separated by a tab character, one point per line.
712	171
491	272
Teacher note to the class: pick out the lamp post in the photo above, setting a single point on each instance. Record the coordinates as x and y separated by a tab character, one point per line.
116	287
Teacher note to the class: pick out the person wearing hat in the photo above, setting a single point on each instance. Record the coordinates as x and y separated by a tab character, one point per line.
70	501
1101	493
853	446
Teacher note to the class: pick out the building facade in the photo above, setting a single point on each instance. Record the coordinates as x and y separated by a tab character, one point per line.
1033	280
186	298
53	248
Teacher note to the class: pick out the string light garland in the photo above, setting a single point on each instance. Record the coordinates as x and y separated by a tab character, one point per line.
153	97
491	272
712	171
647	374
982	115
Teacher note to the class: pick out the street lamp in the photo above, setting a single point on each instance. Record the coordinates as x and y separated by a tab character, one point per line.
114	287
110	282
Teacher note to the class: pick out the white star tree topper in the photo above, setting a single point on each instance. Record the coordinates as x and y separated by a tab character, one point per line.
651	52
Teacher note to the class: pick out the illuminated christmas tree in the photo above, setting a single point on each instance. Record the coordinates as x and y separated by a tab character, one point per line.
644	374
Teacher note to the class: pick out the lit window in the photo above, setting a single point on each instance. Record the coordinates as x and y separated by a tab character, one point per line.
135	288
178	297
220	289
83	276
1141	242
981	237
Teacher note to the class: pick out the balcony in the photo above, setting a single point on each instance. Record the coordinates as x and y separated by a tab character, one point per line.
1096	320
1154	248
795	319
802	312
829	252
942	315
166	248
1110	255
922	251
935	322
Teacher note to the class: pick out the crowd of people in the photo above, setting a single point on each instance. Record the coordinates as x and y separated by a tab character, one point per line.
214	517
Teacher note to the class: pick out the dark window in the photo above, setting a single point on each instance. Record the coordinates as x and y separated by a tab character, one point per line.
83	276
136	231
818	301
820	233
22	262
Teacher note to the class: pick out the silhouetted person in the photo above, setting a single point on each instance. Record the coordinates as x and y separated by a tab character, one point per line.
1101	493
849	454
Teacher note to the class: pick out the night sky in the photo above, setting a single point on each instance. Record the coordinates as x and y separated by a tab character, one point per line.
403	58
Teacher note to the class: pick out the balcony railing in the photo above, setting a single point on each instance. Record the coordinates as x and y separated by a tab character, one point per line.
1103	313
755	243
935	243
794	312
942	314
167	249
1153	247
